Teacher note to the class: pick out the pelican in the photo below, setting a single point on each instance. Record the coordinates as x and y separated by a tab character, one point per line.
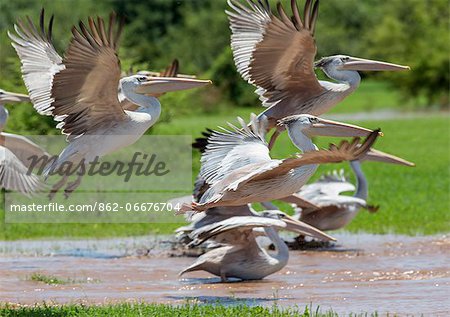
336	210
276	54
15	153
242	257
216	214
238	169
81	90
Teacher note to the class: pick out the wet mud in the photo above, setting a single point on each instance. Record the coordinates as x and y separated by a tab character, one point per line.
363	273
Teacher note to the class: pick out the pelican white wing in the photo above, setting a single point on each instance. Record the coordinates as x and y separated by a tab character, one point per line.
331	185
81	91
243	224
40	61
14	176
227	151
22	147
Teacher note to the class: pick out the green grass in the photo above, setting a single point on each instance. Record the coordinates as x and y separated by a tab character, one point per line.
48	279
54	280
168	310
413	200
374	95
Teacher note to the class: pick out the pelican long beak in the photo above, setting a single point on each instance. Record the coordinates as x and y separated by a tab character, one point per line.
160	85
337	129
305	229
378	156
7	96
158	74
360	64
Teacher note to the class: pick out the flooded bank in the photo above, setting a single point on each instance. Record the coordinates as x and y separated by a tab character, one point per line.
364	273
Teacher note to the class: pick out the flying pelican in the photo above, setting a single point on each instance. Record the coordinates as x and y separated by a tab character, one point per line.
239	170
337	210
81	90
15	153
242	257
276	54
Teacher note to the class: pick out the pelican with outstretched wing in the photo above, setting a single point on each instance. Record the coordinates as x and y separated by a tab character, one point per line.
276	54
241	256
238	170
16	153
81	90
216	214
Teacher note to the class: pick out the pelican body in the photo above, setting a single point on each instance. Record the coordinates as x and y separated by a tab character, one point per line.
276	53
239	170
242	257
81	90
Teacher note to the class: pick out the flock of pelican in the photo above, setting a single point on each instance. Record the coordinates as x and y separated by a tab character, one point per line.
276	53
101	111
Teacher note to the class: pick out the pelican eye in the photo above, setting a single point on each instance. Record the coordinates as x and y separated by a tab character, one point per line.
313	120
344	59
142	78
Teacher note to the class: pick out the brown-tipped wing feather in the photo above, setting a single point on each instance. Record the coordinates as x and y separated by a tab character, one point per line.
171	70
81	89
22	148
85	92
299	201
347	151
14	174
276	54
201	142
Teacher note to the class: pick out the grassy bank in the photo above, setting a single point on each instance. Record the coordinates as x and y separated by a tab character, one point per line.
412	200
168	310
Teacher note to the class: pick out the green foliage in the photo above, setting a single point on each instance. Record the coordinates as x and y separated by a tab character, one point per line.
416	33
192	310
413	32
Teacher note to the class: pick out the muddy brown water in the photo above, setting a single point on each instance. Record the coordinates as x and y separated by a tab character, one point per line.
364	273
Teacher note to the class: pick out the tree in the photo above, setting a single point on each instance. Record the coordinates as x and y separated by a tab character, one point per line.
416	33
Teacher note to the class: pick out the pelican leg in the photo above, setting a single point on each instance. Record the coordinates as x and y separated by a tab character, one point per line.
223	277
70	188
57	187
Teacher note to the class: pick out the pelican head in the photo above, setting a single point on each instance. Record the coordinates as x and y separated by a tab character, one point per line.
296	225
11	97
311	126
149	85
343	62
